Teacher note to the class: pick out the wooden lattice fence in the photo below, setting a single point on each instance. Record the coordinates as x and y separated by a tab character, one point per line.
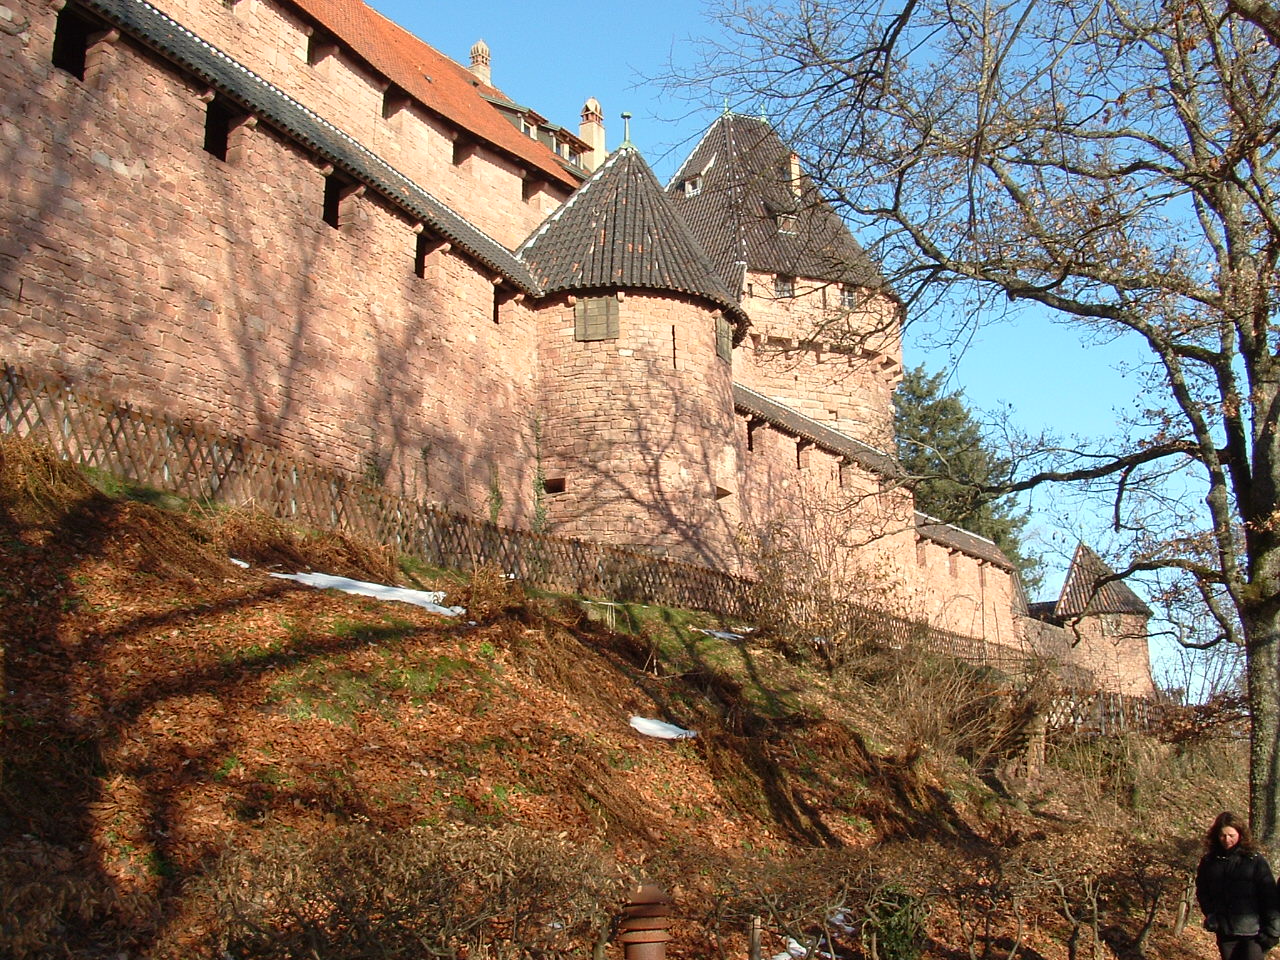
178	456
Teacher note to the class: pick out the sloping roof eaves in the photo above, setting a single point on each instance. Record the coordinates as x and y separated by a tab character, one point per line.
962	540
179	45
619	231
784	418
1087	591
441	84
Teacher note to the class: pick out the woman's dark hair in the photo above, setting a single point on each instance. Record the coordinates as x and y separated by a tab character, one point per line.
1228	819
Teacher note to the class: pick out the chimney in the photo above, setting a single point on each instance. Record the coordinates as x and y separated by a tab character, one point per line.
591	132
793	175
480	62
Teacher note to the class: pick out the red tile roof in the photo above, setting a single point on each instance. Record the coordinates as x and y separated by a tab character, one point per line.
444	86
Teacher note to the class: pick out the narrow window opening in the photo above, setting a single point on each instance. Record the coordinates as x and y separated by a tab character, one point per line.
71	41
394	99
848	296
530	188
422	248
553	485
463	150
674	361
320	46
922	554
497	303
337	189
953	564
752	426
222	122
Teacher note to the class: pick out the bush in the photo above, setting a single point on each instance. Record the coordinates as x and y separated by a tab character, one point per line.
894	928
360	893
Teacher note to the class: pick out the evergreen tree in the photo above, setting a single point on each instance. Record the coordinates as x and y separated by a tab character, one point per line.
940	442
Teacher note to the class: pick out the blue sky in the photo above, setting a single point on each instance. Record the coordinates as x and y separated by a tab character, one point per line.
552	56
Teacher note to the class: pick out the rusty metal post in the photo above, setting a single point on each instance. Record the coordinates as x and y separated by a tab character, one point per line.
646	924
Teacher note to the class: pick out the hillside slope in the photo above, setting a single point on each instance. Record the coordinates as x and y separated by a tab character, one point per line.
171	716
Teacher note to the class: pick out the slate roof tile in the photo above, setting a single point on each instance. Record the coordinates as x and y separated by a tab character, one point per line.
1087	591
739	210
797	424
957	539
620	231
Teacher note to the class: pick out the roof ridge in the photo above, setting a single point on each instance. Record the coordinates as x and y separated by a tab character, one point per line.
956	526
559	211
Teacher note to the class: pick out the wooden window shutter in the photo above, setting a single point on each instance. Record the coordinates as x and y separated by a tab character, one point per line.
596	318
724	339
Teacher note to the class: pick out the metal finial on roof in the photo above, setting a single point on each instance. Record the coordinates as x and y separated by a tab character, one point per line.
726	107
626	129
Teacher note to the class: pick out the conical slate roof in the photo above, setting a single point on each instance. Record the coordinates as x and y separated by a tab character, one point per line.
619	231
738	195
1084	593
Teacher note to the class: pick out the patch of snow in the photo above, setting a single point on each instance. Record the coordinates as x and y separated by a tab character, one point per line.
661	729
427	599
721	634
239	563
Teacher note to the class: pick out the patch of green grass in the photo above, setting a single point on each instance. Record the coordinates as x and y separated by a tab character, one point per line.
228	766
422	679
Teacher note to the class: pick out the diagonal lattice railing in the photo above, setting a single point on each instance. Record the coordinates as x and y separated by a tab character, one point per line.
178	456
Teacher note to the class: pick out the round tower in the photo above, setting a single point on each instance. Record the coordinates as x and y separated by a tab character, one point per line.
637	420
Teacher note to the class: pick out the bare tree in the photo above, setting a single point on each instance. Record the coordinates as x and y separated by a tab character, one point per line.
1112	163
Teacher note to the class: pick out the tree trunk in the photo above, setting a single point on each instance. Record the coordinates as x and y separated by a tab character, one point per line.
1263	633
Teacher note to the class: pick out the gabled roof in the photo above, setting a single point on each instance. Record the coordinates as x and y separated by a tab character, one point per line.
442	85
180	46
798	425
746	211
619	231
955	538
1087	591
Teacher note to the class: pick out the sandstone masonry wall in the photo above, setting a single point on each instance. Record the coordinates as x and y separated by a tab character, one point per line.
799	351
139	266
272	40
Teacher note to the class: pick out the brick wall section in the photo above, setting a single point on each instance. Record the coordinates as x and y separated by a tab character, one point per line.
640	429
271	39
138	265
787	355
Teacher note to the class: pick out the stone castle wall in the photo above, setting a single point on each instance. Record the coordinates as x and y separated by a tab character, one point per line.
789	355
136	265
273	40
139	266
638	430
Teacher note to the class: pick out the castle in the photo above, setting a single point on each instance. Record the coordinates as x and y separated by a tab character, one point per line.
292	220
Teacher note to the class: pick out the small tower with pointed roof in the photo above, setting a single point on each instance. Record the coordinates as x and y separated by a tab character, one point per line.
825	328
1103	625
637	432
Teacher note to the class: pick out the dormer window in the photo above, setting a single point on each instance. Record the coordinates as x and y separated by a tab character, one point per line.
528	129
693	186
787	223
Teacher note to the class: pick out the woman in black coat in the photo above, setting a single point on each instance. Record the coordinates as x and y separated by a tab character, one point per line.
1237	892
